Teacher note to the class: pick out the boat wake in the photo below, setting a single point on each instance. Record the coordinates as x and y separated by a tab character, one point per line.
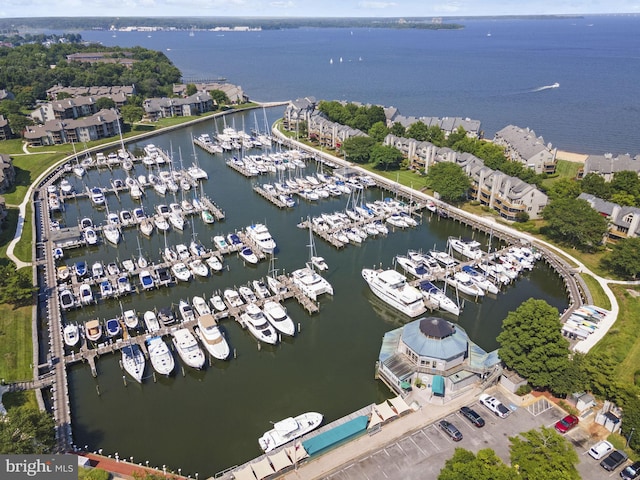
546	87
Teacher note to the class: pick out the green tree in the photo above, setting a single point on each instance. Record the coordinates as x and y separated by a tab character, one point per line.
595	185
386	157
626	181
191	89
418	131
131	113
454	137
449	180
486	465
599	368
219	97
16	286
531	343
378	131
624	198
624	258
574	222
564	188
18	123
398	129
358	149
105	103
26	430
543	453
93	474
435	135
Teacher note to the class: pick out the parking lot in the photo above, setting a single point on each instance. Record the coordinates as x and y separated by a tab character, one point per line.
422	454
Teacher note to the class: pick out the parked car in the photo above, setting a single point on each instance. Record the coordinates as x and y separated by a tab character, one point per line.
614	460
451	430
600	449
566	424
472	416
631	472
495	405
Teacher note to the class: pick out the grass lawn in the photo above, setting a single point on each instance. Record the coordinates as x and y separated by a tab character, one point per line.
597	293
622	340
24	248
16	352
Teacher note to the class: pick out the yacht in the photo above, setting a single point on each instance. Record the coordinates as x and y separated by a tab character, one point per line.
278	317
446	260
71	335
124	285
234	240
311	283
111	233
392	287
181	272
146	280
90	236
207	216
182	251
97	270
133	361
93	330
197	249
177	221
232	297
218	303
161	223
417	269
186	311
97	196
214	263
289	429
248	256
126	218
437	296
166	316
188	348
212	338
161	358
260	288
86	294
247	294
130	318
68	300
198	268
200	306
259	233
151	321
466	248
481	280
462	282
254	319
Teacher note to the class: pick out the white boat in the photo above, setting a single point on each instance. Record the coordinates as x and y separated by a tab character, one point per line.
68	300
319	263
182	251
207	216
392	287
97	270
197	173
247	294
248	256
254	319
111	233
198	268
133	361
146	280
259	233
177	221
130	318
160	356
214	263
86	295
63	273
289	429
200	306
311	283
397	220
128	265
123	285
278	317
220	242
181	272
186	311
463	283
232	297
93	330
65	186
446	260
113	327
197	249
170	255
481	280
438	297
417	269
146	226
161	223
151	321
212	338
106	289
187	347
97	196
90	236
466	248
260	289
71	335
218	303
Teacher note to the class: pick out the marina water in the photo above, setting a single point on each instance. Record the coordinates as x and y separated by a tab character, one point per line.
206	421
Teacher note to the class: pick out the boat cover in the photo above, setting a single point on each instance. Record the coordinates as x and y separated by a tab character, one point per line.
262	469
385	411
245	473
399	404
280	460
335	435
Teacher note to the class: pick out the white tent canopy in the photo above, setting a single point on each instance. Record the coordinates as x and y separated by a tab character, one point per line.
296	453
374	420
262	469
384	410
244	474
399	404
280	460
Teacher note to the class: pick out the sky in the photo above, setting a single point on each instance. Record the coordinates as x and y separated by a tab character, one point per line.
308	8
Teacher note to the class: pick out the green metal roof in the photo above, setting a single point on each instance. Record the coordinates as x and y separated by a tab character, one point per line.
336	435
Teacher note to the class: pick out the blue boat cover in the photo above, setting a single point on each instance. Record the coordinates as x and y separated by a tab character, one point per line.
335	435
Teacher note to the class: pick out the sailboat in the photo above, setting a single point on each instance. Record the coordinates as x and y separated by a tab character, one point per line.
141	261
78	170
318	262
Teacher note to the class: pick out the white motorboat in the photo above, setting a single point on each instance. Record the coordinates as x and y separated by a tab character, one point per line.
392	287
123	285
276	286
176	221
146	226
417	269
71	335
97	270
247	294
467	248
259	233
151	321
481	280
278	317
200	306
111	233
170	255
181	272
438	297
214	263
220	242
319	263
93	330
128	265
198	268
133	361
212	338
68	300
106	289
260	289
463	283
248	256
311	283
254	319
65	186
90	236
166	316
182	251
113	327
97	196
396	220
207	216
218	303
86	294
186	311
63	273
446	260
161	223
130	318
232	297
113	269
146	280
161	358
289	429
197	249
188	348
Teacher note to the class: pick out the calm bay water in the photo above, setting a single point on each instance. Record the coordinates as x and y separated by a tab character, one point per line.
206	421
498	79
